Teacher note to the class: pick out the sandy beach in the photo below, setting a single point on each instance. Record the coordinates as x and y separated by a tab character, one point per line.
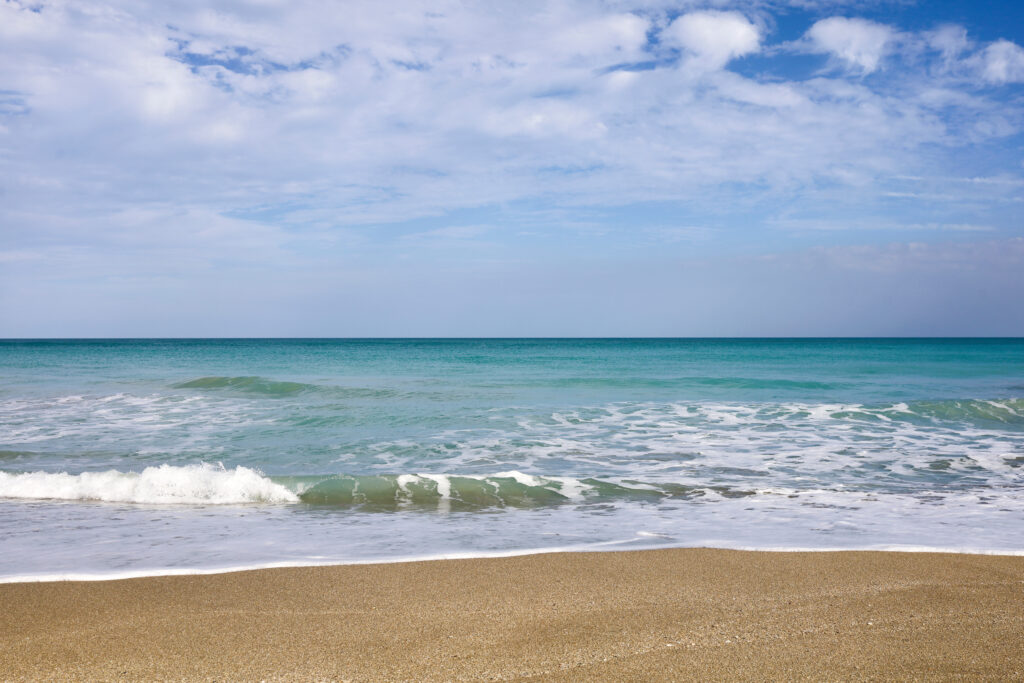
678	614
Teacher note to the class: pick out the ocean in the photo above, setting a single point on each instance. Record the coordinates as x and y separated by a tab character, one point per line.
137	457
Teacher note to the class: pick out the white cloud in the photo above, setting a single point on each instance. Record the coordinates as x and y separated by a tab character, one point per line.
285	115
775	95
858	42
950	40
544	119
618	35
713	38
1002	62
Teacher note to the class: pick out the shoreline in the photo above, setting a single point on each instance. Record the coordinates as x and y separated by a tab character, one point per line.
89	577
667	614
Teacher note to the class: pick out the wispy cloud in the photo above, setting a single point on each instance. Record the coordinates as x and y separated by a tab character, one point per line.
859	43
279	132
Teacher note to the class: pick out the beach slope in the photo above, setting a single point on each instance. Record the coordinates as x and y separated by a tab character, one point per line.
676	614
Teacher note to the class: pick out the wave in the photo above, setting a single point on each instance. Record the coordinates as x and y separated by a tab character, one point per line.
1007	411
277	388
254	385
985	412
504	489
677	383
186	485
207	484
761	383
14	455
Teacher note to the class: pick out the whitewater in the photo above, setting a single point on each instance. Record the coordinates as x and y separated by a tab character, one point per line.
135	457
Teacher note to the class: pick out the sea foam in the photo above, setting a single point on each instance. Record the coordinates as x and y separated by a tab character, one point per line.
167	484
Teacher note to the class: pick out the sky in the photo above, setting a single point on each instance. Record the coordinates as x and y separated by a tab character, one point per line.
558	168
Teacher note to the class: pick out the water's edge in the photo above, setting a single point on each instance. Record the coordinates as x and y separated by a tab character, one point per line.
592	548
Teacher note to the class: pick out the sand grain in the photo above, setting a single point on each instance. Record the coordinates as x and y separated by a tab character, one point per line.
650	615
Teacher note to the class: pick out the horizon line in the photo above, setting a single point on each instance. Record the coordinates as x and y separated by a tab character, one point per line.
529	338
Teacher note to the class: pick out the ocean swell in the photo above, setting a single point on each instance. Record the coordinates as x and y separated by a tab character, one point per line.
207	484
252	385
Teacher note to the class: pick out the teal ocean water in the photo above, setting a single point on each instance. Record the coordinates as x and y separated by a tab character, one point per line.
152	456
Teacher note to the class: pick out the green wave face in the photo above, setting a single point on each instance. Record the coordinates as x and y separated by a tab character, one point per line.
428	491
253	385
1006	411
431	491
272	388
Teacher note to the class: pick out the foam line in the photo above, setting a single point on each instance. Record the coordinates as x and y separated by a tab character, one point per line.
190	484
636	544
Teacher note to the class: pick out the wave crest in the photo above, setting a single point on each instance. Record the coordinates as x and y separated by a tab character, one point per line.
190	484
207	484
252	385
511	489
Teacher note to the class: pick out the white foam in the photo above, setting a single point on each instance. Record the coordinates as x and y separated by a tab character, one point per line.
521	478
190	484
404	480
199	571
444	485
605	546
572	488
444	490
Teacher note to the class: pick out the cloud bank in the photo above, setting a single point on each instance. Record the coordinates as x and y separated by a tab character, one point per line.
226	135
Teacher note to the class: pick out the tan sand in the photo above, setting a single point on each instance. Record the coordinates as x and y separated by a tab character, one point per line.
650	615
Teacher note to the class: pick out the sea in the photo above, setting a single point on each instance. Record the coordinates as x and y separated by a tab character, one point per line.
161	456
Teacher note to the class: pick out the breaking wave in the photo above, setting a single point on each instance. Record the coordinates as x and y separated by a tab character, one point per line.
166	484
207	484
504	489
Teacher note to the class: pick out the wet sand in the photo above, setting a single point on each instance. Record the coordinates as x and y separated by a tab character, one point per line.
624	616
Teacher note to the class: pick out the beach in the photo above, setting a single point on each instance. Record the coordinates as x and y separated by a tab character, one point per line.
673	614
473	509
554	341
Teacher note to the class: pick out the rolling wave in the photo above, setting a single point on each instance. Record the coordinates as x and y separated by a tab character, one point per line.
504	489
981	411
208	484
166	484
254	385
1009	410
262	386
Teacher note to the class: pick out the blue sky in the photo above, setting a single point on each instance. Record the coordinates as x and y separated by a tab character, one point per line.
648	168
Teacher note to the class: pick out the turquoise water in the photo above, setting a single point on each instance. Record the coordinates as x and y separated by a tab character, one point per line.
155	455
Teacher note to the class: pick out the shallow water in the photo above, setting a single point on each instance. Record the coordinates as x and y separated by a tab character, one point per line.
151	455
